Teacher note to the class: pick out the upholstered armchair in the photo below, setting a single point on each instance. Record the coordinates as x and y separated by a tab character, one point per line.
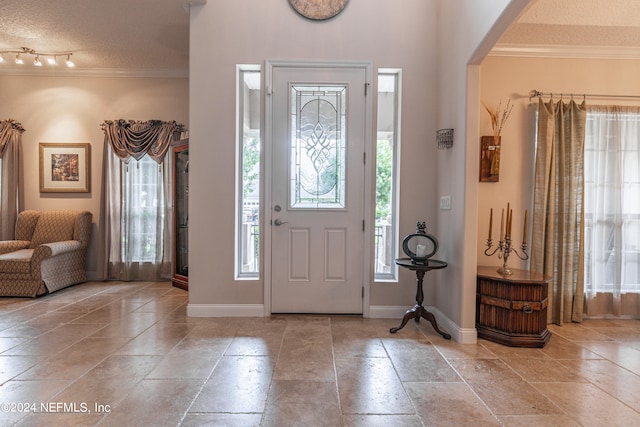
48	254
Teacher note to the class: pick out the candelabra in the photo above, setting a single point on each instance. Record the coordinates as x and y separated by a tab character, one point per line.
505	248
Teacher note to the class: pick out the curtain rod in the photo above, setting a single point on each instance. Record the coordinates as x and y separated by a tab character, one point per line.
536	94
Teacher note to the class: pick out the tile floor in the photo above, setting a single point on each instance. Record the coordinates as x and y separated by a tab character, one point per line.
125	354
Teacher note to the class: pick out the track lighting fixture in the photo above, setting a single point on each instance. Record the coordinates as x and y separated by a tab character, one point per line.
51	57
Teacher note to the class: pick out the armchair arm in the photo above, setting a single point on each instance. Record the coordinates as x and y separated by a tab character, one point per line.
7	246
56	248
48	250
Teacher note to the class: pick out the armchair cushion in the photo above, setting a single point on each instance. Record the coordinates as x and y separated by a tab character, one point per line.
16	262
26	224
13	245
53	226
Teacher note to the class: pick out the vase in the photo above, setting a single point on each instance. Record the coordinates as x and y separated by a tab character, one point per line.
490	159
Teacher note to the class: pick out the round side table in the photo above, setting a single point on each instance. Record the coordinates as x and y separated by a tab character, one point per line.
418	310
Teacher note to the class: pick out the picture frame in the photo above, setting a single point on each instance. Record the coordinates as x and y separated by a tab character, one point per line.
65	167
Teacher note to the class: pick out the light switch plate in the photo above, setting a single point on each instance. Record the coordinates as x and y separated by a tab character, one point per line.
445	203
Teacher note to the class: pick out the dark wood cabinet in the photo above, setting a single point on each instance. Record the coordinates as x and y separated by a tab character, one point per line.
180	161
512	310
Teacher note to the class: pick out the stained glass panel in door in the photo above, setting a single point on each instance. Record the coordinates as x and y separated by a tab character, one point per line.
318	147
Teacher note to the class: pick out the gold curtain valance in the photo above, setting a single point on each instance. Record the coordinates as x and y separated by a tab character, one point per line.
131	138
9	130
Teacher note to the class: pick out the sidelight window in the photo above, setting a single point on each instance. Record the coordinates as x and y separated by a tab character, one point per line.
248	172
387	160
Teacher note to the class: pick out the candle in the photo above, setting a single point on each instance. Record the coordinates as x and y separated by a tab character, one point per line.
507	231
502	225
490	222
421	250
524	231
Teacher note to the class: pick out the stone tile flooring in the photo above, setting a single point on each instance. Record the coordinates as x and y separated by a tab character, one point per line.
126	354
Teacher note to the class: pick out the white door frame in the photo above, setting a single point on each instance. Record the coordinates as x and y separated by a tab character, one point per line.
267	212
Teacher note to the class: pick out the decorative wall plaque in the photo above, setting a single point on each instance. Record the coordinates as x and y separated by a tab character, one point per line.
318	9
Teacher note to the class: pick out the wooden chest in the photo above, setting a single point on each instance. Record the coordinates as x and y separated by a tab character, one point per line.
512	310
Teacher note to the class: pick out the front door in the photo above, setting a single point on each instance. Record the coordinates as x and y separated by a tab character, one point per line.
317	189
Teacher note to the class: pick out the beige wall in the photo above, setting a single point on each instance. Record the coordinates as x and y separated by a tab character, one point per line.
71	109
466	30
431	41
509	77
372	31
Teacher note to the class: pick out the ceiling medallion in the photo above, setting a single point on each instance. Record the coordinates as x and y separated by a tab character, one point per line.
318	10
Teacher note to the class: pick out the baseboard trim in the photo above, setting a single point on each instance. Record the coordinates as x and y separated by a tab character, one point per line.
458	334
461	335
225	310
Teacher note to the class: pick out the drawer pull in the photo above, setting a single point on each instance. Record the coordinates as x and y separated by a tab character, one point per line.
527	308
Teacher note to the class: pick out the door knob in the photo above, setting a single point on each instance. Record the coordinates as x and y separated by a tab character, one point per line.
279	222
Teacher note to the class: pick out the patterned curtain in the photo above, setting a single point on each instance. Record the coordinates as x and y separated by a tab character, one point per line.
135	219
12	192
558	243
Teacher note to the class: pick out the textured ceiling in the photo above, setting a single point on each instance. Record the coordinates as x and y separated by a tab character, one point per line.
153	35
121	34
577	22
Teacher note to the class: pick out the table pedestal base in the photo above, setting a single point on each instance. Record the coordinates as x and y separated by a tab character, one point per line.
418	310
416	313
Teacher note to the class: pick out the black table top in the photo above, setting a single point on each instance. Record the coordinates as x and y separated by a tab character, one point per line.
430	264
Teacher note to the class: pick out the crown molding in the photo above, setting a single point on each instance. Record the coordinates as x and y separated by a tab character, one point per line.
177	73
566	51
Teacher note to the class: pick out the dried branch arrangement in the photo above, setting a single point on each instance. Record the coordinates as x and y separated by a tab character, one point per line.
498	117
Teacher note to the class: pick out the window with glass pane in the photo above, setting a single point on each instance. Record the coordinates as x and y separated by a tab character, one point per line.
318	147
612	205
143	199
385	237
248	231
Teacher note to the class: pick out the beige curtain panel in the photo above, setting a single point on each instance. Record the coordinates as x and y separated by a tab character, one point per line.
557	247
612	229
12	176
125	140
130	138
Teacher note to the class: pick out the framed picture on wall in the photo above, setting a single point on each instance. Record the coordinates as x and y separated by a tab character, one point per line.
65	167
